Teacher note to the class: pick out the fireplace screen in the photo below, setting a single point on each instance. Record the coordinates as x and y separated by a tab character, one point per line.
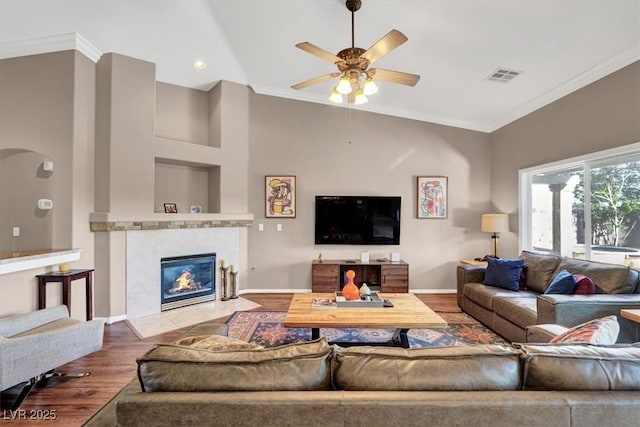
187	280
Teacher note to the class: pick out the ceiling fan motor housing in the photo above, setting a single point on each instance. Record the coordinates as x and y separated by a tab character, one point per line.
353	5
352	57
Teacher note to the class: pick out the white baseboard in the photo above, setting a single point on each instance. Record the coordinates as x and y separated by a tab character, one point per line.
113	319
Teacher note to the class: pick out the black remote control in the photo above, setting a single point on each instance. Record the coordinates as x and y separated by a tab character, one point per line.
387	303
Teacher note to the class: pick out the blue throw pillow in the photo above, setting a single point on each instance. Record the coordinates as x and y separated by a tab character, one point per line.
503	273
563	283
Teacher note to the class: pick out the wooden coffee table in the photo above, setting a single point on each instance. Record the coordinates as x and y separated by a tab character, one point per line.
408	312
631	314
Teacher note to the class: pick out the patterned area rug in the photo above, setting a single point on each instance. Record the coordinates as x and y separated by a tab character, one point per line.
266	328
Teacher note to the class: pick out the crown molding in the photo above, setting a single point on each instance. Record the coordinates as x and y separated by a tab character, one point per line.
614	64
57	43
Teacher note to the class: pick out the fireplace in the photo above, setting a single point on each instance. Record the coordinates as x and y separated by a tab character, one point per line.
187	280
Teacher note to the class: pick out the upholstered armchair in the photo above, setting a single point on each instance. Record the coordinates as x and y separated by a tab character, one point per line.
32	345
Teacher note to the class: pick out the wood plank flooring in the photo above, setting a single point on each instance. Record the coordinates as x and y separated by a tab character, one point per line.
73	401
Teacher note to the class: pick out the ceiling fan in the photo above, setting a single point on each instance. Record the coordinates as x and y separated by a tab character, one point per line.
356	78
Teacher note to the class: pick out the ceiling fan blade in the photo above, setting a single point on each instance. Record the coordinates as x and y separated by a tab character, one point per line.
394	76
319	79
319	52
386	44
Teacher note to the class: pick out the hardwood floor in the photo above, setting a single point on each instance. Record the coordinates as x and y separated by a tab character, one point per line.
72	401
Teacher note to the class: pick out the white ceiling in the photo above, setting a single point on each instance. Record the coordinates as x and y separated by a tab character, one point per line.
559	45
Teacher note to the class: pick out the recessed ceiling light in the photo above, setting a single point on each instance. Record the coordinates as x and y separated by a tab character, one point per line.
199	65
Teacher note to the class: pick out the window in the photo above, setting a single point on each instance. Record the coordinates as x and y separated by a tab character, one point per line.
586	207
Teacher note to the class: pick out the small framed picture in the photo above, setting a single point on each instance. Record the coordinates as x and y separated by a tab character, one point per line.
196	209
170	208
280	196
432	194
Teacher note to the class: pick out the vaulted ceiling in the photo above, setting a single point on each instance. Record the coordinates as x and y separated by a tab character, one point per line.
558	46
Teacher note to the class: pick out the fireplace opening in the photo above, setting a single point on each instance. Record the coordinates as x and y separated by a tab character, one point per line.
187	280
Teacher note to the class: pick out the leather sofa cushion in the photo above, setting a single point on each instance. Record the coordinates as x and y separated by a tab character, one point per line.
580	367
519	311
484	295
301	366
609	278
464	368
541	268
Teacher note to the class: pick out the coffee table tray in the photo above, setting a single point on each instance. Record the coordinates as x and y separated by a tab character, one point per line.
376	301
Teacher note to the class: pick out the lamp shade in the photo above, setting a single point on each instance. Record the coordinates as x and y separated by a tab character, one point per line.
494	223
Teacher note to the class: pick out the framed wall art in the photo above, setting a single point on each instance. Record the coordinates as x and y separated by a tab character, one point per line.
170	208
432	196
280	196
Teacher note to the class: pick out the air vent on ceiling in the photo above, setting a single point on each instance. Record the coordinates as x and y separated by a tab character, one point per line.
503	75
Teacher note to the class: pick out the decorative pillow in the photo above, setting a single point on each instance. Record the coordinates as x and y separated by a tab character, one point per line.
523	278
217	343
584	285
599	331
563	283
503	273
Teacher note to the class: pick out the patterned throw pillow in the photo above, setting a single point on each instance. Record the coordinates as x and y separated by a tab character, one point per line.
217	343
563	283
523	278
599	331
584	285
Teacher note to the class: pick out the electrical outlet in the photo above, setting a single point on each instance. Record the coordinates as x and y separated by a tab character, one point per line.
16	231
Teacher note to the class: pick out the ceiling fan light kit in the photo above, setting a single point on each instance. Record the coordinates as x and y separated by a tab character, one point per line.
356	79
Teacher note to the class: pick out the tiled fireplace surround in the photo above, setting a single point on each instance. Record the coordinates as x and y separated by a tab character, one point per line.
150	240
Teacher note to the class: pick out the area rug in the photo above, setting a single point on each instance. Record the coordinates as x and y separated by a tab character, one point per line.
266	328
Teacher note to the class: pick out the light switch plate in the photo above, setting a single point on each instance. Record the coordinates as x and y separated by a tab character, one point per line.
16	231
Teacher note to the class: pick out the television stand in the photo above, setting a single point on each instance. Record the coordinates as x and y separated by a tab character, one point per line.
385	276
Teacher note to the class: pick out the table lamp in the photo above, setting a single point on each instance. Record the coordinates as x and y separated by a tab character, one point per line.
495	223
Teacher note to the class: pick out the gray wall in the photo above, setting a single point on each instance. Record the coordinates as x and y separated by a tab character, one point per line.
338	151
602	115
22	183
47	106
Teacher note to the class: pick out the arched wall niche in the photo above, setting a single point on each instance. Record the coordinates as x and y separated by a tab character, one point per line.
23	181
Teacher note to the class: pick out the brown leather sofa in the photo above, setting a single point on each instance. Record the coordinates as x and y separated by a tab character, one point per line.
315	384
509	313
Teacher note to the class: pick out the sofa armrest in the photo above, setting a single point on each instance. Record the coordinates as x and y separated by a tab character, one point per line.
468	274
543	333
18	323
571	310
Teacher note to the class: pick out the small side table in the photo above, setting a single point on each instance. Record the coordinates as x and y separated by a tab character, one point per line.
66	278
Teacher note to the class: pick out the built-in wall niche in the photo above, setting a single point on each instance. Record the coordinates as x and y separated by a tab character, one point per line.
24	180
186	184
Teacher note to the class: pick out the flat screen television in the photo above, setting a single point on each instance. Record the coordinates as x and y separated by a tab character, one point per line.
357	220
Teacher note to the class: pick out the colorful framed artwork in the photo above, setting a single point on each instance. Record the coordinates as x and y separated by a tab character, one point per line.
432	196
280	196
170	208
